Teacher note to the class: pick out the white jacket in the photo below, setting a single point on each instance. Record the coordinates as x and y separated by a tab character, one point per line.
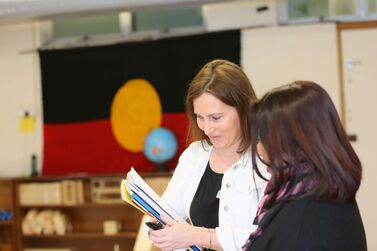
238	194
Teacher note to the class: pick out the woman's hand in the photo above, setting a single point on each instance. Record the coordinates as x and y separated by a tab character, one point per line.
174	235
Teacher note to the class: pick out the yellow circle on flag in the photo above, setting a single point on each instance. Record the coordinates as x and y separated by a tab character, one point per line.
135	111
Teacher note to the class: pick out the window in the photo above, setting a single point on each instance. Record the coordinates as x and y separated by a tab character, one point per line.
166	19
317	10
86	25
372	6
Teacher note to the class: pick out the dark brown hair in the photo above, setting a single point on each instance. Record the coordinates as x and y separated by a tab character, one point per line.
298	123
227	82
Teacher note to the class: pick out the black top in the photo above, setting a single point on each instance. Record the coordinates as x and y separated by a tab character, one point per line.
309	225
204	209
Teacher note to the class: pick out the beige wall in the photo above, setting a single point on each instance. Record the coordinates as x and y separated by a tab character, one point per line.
19	91
273	56
360	76
279	55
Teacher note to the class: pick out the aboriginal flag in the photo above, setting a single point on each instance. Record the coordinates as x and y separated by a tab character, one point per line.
79	86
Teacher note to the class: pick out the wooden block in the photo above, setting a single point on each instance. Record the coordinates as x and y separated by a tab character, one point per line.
48	193
111	227
51	193
80	191
69	192
27	194
106	190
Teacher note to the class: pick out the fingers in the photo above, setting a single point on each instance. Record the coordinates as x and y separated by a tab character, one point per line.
169	221
160	240
172	236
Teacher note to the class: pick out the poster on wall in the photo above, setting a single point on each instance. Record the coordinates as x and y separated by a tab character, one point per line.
98	101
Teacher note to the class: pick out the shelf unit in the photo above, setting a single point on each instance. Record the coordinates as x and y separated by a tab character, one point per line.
7	227
87	218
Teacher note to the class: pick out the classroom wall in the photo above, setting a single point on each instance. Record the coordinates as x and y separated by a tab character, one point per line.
309	53
279	55
359	66
20	91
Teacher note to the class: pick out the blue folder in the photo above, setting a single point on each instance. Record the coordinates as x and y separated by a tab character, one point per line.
151	210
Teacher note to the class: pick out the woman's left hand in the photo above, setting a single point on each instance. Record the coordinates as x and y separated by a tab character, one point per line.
174	235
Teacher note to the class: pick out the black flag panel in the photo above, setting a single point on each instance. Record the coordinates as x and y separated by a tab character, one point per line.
79	85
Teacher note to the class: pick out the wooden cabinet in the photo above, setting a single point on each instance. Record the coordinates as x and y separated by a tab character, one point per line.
86	201
7	220
91	207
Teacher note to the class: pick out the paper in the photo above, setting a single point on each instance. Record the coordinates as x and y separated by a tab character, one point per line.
27	124
139	194
126	196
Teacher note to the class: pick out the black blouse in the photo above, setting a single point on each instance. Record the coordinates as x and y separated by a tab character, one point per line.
204	209
311	225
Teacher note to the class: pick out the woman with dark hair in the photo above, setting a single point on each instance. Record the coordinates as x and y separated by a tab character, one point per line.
214	185
309	202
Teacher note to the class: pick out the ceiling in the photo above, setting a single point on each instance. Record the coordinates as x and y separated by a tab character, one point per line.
21	10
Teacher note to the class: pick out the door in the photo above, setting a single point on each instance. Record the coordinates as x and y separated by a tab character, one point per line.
359	50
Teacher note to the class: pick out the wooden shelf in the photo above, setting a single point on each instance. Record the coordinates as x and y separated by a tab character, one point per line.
6	223
86	218
83	235
85	206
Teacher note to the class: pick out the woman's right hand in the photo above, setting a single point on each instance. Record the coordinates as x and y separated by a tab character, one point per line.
174	235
